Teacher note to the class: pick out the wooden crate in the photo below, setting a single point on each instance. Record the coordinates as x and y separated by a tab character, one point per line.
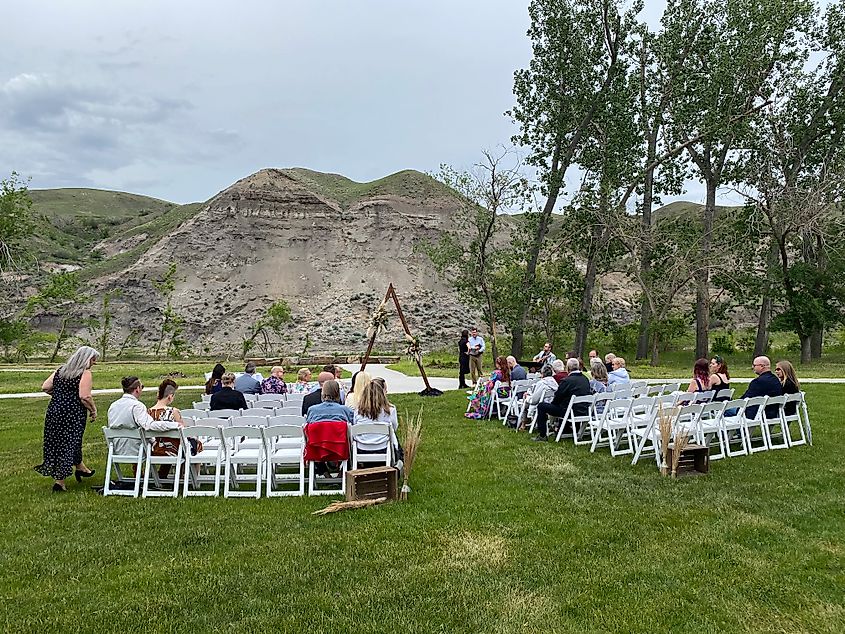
695	460
368	484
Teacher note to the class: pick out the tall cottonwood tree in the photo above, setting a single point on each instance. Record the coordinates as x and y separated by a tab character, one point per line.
728	77
577	46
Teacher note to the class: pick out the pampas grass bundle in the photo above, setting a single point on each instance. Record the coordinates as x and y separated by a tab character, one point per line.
411	442
334	507
681	442
665	427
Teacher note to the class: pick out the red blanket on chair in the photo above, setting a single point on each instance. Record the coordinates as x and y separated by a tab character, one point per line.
326	441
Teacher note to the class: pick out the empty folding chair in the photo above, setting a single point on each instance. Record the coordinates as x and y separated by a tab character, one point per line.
238	456
703	397
203	405
670	388
754	419
284	446
614	424
623	392
366	435
792	414
173	461
211	454
647	437
577	417
773	418
640	414
224	413
687	420
733	428
710	427
287	410
654	390
514	399
249	398
250	421
126	446
195	413
260	412
805	415
327	441
600	401
639	390
271	398
206	397
724	394
286	419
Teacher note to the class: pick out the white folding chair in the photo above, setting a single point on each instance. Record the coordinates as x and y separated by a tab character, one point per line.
250	421
202	405
283	447
685	398
382	456
495	400
614	423
806	416
250	398
238	456
669	388
724	394
274	399
313	489
600	402
224	413
261	412
206	397
756	420
578	422
195	413
795	417
710	426
286	419
514	400
211	454
295	410
703	397
732	422
647	437
173	461
116	458
772	419
654	390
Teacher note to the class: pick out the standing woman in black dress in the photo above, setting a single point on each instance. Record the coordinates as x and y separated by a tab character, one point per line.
71	402
463	359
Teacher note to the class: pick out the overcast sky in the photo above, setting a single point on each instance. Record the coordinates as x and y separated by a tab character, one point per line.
179	99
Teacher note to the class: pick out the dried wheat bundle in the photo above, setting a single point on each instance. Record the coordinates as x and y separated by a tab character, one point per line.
334	507
681	442
378	320
665	426
411	442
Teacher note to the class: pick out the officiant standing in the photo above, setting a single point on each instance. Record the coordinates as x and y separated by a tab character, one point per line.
475	348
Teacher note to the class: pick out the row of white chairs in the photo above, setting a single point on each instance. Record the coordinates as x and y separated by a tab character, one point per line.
265	456
631	426
296	410
264	397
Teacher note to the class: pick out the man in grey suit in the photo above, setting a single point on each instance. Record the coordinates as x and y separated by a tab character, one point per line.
246	383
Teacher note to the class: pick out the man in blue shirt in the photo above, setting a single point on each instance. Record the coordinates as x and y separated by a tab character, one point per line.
518	373
246	383
475	347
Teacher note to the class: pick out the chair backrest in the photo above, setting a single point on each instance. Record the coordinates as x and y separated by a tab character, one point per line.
618	407
263	404
586	401
687	398
169	433
712	410
793	398
533	376
224	413
239	431
725	394
216	422
318	448
704	397
112	434
200	431
272	398
288	411
773	404
736	407
623	393
206	397
688	414
668	388
615	387
639	383
250	397
195	413
370	428
289	432
639	390
642	405
755	401
654	390
286	419
249	421
667	401
521	386
261	412
202	405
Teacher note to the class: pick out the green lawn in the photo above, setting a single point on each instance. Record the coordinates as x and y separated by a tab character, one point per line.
501	535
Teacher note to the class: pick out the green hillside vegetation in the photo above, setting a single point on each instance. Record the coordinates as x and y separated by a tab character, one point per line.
407	184
71	221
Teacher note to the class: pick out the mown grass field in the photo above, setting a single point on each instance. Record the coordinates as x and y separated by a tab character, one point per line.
501	535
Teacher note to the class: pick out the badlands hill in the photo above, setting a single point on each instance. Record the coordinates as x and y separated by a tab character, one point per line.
323	243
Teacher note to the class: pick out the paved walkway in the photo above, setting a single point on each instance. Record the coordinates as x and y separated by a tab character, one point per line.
398	383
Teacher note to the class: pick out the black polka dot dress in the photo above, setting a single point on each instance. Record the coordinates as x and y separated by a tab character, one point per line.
64	426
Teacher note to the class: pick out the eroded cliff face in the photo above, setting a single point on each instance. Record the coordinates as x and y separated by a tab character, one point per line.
271	236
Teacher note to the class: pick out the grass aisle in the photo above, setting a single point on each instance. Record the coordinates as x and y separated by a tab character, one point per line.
501	535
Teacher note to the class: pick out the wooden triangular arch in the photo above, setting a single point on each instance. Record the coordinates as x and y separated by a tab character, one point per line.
391	294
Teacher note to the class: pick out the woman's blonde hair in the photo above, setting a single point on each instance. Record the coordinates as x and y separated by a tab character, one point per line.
599	372
788	372
303	372
373	401
78	362
228	378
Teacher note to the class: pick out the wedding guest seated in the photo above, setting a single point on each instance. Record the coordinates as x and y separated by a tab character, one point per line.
275	383
482	397
518	373
316	397
329	408
128	412
559	369
789	383
303	383
373	407
608	361
598	380
246	383
700	381
576	384
163	411
619	374
719	377
766	384
228	397
213	384
543	391
360	381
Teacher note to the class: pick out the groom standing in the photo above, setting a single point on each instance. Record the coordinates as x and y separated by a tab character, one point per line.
475	347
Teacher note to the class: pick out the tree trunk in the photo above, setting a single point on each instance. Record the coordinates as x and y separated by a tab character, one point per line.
492	316
761	341
816	340
59	339
805	348
702	295
645	257
582	327
655	351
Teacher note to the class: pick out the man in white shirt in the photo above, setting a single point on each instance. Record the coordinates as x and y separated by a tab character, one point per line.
128	412
475	347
